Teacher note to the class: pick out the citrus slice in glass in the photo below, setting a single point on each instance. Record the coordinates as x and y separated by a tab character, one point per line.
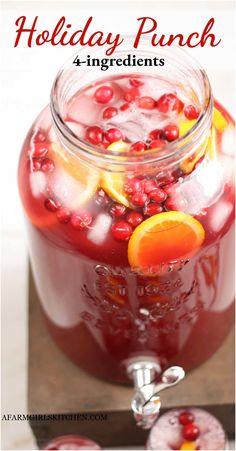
219	122
162	239
113	182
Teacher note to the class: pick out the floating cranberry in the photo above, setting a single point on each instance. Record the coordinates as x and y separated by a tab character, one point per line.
171	132
132	94
165	179
101	198
114	134
147	103
139	199
158	195
103	94
63	215
94	135
124	107
40	149
121	230
34	164
133	185
110	112
155	134
149	185
168	102
190	432
51	205
80	220
117	210
191	112
135	82
39	137
134	218
157	144
139	146
47	165
185	417
152	209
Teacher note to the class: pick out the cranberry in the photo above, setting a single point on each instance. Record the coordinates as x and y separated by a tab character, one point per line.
51	205
133	185
63	215
155	134
165	179
168	102
34	164
186	417
40	149
157	144
110	112
80	220
149	185
190	432
191	112
158	195
171	132
103	94
114	134
139	146
132	94
94	135
152	209
124	107
134	218
147	103
101	198
117	210
139	199
121	230
135	82
47	165
39	137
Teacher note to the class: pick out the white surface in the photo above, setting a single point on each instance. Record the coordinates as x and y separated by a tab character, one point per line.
27	75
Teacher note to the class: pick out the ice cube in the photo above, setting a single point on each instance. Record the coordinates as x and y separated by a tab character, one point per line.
84	110
227	143
38	183
220	215
100	228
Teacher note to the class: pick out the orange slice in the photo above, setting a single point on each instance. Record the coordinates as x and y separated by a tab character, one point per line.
86	178
113	183
185	125
162	239
119	146
188	445
219	122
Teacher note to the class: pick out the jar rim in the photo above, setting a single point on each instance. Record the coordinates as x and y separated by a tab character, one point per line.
182	145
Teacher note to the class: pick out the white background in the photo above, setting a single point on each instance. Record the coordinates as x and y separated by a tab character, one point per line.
27	76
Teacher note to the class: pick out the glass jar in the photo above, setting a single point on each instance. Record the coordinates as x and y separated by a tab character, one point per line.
192	429
131	244
74	442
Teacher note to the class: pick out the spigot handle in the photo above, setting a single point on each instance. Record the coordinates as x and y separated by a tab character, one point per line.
146	402
169	378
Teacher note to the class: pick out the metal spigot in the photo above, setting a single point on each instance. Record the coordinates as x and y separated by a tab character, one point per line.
149	382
